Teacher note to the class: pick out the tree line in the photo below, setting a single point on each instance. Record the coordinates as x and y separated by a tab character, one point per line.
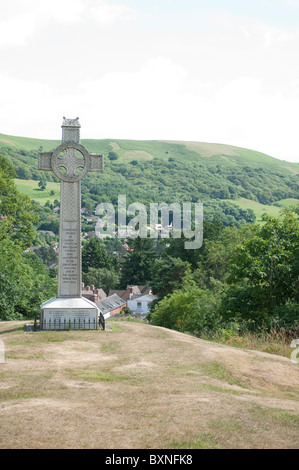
246	275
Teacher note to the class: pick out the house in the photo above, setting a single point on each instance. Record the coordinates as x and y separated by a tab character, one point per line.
111	305
131	290
139	303
47	232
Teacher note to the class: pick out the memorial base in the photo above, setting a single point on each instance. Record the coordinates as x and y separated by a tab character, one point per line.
69	314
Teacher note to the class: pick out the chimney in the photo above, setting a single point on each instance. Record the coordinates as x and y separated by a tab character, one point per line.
101	295
130	292
92	287
87	288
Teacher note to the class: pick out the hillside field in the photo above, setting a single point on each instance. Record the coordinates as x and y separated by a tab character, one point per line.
261	209
142	387
31	188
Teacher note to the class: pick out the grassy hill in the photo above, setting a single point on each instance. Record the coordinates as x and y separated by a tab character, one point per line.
128	150
142	387
231	181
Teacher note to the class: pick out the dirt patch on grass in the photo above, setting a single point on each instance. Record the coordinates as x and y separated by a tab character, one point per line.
7	142
292	170
140	386
137	154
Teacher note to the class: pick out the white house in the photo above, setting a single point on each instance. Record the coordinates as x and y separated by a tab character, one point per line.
140	303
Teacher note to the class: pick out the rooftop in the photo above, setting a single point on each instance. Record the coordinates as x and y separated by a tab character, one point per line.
110	303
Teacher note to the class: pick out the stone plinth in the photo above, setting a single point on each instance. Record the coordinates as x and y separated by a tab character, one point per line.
69	313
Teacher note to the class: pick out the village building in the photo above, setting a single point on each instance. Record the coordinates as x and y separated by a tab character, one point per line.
131	290
111	305
139	304
138	298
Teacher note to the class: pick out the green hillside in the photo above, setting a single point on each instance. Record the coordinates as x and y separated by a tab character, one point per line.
127	150
236	184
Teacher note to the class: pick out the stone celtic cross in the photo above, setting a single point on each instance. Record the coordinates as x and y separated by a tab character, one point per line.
70	162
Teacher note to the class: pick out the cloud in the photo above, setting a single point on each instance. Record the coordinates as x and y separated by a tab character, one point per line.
32	109
260	33
156	102
290	3
21	20
233	81
105	13
15	30
139	103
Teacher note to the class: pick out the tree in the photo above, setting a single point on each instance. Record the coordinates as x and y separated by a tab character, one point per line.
175	248
189	309
42	184
217	252
47	254
24	281
101	278
17	211
94	255
167	275
264	270
113	156
138	263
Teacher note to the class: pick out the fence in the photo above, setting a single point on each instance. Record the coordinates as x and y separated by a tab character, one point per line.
79	324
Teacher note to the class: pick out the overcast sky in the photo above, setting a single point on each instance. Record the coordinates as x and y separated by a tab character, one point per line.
224	71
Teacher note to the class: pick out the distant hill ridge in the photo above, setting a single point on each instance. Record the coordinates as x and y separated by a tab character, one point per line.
146	149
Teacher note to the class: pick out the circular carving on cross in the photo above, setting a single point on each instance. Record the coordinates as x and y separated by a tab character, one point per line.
70	161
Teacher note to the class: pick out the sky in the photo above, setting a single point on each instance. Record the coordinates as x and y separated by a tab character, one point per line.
221	71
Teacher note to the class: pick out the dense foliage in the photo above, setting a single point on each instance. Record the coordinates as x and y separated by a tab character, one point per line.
24	281
247	276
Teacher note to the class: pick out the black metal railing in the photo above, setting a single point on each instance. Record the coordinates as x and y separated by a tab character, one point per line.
79	324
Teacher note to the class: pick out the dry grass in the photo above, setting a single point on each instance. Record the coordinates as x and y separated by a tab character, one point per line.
143	387
277	340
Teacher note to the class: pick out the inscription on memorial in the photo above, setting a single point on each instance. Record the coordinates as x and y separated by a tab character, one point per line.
69	314
70	272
